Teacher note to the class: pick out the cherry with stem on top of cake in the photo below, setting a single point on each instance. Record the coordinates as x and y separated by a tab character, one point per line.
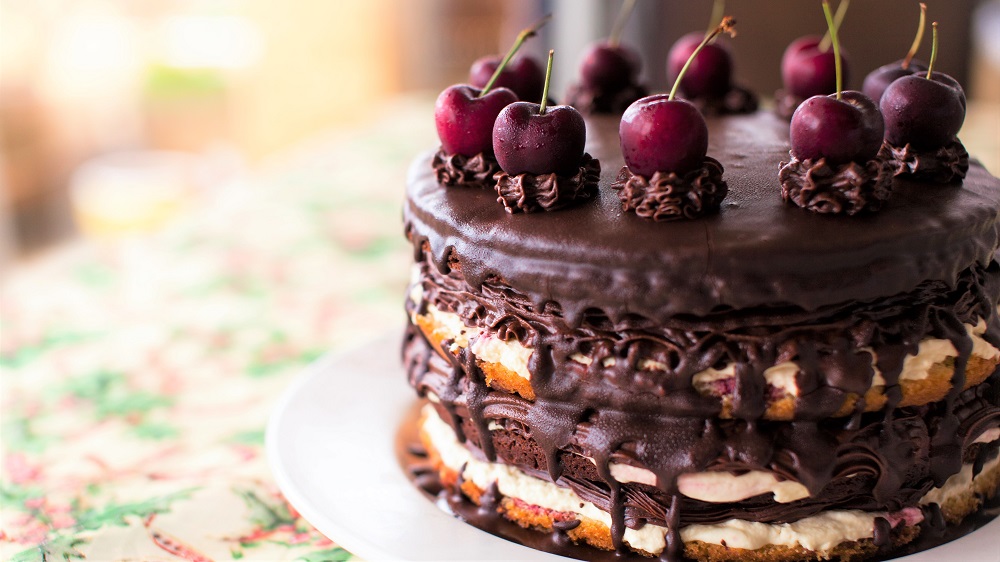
709	73
924	110
464	115
835	141
664	141
842	127
808	67
662	134
523	74
532	138
879	79
608	65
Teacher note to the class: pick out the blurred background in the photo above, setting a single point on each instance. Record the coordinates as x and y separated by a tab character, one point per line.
112	112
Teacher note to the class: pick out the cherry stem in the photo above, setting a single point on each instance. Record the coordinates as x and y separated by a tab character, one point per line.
836	44
824	44
725	26
718	10
623	14
521	38
934	42
545	89
918	38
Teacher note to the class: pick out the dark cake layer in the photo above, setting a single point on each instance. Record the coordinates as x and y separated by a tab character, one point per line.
756	252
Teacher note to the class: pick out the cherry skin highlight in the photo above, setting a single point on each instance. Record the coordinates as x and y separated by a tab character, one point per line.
528	142
846	130
464	120
807	71
710	72
925	113
523	74
663	135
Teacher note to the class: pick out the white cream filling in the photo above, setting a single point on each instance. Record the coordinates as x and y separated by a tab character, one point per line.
959	484
819	533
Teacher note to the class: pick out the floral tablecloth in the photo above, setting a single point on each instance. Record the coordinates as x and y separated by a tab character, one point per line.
138	375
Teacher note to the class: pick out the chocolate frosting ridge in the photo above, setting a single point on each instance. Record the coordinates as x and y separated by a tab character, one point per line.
850	188
755	252
945	164
529	193
670	196
456	170
738	100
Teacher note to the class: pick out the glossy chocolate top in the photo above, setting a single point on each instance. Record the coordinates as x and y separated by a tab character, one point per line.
756	252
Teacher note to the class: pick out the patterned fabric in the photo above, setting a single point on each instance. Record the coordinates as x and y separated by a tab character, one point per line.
138	375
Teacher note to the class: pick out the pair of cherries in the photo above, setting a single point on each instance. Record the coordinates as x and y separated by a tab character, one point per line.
906	104
523	137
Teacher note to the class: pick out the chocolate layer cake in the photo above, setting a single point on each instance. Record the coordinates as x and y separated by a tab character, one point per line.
765	383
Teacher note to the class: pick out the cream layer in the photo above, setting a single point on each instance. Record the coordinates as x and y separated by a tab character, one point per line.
819	533
514	356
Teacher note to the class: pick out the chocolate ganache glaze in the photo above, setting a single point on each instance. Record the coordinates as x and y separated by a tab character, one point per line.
755	252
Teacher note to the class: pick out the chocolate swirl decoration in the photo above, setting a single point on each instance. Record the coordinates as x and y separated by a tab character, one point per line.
737	101
849	189
599	101
669	196
529	193
945	164
456	170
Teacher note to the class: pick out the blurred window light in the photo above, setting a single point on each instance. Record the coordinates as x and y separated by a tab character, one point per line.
208	41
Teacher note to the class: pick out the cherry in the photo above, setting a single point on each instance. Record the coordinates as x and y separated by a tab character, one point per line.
464	118
524	75
806	70
530	138
609	67
662	134
659	134
710	73
879	79
841	128
924	110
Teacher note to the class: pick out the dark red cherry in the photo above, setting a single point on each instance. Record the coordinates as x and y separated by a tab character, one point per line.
523	74
663	135
528	142
926	113
879	79
464	120
808	71
710	72
608	67
841	131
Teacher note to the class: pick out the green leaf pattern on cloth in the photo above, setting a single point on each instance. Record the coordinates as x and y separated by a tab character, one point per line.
138	374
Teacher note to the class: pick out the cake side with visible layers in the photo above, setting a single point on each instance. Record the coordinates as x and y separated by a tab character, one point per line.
720	387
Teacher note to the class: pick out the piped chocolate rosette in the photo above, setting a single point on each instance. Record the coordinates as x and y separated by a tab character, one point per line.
764	385
923	113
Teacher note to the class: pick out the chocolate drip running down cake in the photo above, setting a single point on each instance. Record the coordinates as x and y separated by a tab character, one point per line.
765	383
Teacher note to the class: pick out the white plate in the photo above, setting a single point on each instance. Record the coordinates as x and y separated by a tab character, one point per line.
331	446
